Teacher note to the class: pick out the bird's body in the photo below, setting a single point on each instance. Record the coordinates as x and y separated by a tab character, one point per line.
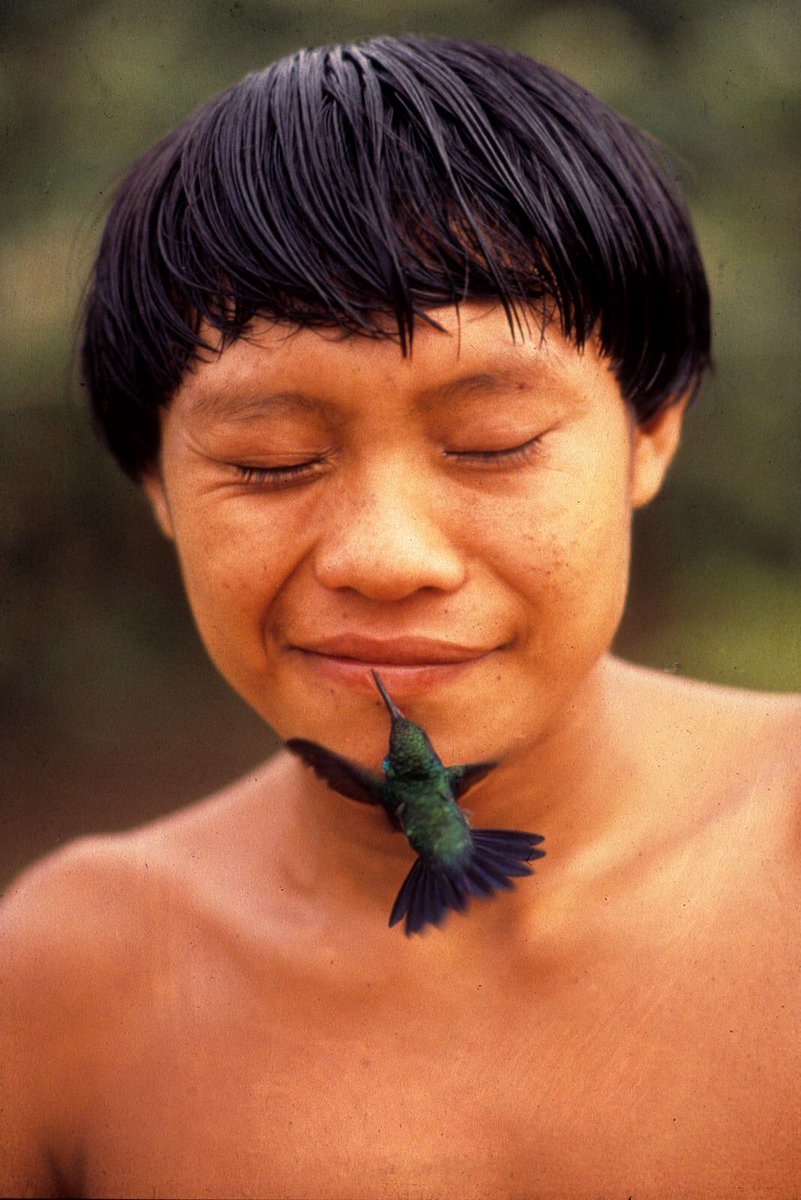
420	796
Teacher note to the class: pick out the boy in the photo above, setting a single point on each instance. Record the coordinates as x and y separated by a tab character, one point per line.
396	337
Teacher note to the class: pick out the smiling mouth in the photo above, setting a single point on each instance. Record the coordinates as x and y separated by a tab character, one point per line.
407	664
408	651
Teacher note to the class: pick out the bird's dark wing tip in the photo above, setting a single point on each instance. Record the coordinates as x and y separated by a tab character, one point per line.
347	778
465	777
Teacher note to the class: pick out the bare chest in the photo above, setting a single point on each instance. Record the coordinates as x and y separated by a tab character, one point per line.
618	1079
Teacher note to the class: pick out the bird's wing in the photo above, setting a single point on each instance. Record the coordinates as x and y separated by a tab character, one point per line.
464	777
345	777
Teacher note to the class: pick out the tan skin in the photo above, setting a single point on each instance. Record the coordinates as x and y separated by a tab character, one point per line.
214	1005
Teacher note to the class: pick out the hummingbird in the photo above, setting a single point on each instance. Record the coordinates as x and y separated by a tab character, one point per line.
421	798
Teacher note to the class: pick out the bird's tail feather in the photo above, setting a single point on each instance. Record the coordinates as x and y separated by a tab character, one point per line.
430	890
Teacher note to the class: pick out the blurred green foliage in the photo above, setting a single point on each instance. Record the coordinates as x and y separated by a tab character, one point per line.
112	712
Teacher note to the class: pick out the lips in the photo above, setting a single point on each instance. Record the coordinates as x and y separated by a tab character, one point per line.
408	665
407	651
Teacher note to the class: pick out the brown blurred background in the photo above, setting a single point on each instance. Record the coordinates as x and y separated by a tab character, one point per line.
111	712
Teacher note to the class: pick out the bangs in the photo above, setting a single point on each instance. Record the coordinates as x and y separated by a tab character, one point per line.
363	187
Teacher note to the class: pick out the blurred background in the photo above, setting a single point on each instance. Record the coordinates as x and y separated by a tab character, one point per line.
111	713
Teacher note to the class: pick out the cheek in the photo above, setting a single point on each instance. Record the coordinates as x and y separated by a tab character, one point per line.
567	563
233	565
563	543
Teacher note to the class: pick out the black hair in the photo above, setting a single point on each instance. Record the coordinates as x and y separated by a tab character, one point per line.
362	186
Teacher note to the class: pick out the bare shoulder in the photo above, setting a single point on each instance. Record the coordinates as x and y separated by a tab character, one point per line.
725	754
88	938
60	921
65	956
94	900
732	719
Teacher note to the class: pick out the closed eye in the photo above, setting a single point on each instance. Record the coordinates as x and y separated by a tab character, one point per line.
508	456
275	478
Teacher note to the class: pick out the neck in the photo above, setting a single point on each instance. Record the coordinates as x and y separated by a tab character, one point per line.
573	780
571	784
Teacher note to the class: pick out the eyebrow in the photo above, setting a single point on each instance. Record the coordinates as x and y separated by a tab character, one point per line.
489	382
237	407
251	406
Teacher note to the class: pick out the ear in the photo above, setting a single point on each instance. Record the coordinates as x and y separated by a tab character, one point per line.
153	485
655	443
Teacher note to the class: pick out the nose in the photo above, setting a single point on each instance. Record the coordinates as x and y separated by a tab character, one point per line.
386	539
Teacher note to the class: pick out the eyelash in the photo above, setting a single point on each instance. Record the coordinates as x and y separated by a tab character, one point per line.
500	458
276	478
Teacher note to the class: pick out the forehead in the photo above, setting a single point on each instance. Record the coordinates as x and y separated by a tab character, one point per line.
473	353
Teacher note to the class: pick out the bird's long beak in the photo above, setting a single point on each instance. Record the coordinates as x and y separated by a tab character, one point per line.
394	711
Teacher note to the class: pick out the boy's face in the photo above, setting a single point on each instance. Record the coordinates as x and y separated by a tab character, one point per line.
458	519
